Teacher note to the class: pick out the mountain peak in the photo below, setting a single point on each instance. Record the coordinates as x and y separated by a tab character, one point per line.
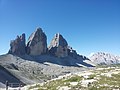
38	29
104	58
17	46
37	43
58	40
58	46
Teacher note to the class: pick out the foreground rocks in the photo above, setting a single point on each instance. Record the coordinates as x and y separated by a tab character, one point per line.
105	78
30	70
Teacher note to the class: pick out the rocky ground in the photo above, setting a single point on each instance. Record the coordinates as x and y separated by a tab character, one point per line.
39	73
30	70
102	78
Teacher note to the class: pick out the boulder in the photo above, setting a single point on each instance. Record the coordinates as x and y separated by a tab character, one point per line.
37	43
58	46
17	46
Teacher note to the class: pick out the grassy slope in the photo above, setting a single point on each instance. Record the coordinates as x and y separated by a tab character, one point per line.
102	76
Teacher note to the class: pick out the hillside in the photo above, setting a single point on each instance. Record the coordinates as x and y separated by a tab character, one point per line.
7	76
29	69
101	78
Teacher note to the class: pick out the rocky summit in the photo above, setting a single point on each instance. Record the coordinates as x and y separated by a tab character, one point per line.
17	46
58	46
37	43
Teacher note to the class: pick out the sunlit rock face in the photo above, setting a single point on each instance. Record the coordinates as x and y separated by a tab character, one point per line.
37	43
58	46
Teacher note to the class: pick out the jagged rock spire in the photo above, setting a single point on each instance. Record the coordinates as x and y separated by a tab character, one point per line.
37	43
17	46
58	46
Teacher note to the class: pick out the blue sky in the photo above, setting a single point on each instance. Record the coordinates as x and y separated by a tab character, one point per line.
88	25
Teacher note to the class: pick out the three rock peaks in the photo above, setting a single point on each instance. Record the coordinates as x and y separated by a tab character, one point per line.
37	45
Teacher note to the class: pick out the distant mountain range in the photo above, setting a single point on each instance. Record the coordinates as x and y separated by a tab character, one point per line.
36	62
102	58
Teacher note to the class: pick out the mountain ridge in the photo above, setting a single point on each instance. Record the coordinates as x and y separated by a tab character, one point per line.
37	45
104	58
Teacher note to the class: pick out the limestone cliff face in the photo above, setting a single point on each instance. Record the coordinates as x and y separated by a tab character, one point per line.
37	43
17	46
58	46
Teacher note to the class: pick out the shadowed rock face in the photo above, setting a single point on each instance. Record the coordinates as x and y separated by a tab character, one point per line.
17	46
5	75
37	43
72	52
58	46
